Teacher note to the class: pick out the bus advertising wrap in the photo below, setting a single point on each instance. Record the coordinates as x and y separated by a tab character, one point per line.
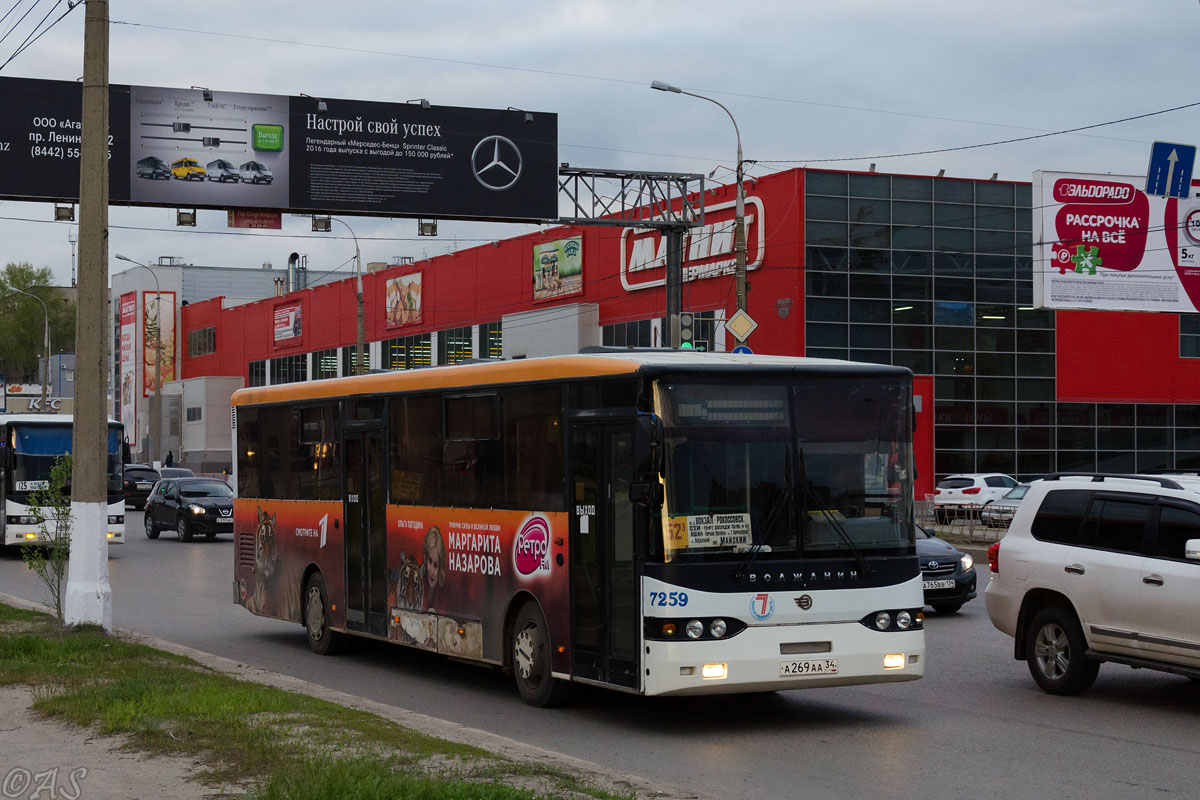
1103	244
448	566
213	149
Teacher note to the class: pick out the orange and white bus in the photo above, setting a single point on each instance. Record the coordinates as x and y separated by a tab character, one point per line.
658	522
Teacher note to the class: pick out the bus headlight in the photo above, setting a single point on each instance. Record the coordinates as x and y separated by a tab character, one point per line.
695	629
903	620
883	620
718	628
116	520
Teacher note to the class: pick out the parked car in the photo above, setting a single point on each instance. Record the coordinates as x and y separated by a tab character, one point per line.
136	483
153	167
948	573
255	172
222	170
1102	568
964	494
186	169
176	472
191	506
998	513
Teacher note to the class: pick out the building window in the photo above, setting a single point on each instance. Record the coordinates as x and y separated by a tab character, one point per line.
193	413
629	334
491	340
454	345
202	342
348	359
407	352
1189	335
289	369
258	374
325	363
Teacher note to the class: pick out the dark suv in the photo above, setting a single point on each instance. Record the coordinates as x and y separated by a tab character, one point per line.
191	506
136	484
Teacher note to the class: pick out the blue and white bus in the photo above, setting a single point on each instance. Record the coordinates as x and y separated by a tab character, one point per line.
29	446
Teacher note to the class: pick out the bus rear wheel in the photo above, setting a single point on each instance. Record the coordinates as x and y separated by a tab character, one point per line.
322	640
530	654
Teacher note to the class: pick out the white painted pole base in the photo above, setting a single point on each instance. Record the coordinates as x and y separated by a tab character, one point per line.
88	597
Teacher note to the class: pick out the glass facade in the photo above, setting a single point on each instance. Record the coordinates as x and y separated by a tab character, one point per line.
325	364
257	373
491	340
289	369
407	352
936	275
454	345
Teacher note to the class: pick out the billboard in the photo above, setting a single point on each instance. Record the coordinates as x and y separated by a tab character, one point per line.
158	319
129	364
1104	244
211	149
289	323
558	268
403	300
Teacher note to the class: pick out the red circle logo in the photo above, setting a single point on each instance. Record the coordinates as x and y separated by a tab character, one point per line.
532	547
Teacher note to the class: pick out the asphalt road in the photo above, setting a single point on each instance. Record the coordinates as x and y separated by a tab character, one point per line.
975	724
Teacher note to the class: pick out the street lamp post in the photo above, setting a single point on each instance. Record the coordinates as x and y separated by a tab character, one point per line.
45	346
156	398
740	208
359	360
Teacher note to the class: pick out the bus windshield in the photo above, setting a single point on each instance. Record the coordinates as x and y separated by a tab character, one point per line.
813	468
36	448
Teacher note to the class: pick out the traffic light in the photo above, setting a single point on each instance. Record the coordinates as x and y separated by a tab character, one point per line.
685	331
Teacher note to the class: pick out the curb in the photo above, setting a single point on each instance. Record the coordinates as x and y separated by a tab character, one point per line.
422	723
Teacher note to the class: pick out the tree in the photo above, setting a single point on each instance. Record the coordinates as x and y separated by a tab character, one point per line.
22	321
49	556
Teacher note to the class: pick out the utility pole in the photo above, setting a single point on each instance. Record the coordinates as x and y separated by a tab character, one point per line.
89	595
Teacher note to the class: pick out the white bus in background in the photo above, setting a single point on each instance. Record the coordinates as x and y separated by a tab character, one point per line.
30	444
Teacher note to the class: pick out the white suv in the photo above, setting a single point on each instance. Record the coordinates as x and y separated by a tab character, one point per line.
965	494
1100	568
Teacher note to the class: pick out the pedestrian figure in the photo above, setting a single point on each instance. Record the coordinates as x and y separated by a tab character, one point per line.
170	462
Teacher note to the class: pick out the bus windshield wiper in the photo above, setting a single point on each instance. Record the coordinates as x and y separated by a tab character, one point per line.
861	560
781	502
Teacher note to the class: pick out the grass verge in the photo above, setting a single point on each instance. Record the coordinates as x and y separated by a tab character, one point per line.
282	745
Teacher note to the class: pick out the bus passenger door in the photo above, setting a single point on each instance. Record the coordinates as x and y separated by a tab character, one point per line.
366	533
605	614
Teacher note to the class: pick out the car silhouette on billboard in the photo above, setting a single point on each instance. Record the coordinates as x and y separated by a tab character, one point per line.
153	167
222	170
255	172
186	169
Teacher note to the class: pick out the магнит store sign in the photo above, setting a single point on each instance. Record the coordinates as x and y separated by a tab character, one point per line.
1101	243
708	251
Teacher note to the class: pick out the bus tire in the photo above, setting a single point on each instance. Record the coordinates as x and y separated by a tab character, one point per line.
322	640
530	653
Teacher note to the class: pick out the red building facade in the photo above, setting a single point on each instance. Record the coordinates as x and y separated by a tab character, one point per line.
934	274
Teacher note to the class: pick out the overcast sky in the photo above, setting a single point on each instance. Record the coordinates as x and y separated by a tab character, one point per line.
818	79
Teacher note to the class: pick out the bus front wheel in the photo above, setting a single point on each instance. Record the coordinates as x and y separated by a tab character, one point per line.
530	651
322	640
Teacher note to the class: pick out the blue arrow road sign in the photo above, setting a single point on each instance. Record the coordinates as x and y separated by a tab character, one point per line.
1170	170
741	349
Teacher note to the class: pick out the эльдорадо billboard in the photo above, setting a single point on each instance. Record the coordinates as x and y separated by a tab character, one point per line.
1104	244
213	149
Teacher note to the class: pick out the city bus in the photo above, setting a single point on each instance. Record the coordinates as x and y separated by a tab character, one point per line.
30	444
656	522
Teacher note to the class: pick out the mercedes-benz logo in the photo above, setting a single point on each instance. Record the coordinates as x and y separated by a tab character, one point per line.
496	162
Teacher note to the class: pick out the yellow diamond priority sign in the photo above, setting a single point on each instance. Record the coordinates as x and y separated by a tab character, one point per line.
740	325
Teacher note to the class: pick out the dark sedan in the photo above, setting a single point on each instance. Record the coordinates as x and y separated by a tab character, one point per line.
137	482
948	573
190	506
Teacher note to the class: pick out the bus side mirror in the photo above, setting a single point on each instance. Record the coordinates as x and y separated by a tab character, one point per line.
647	444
